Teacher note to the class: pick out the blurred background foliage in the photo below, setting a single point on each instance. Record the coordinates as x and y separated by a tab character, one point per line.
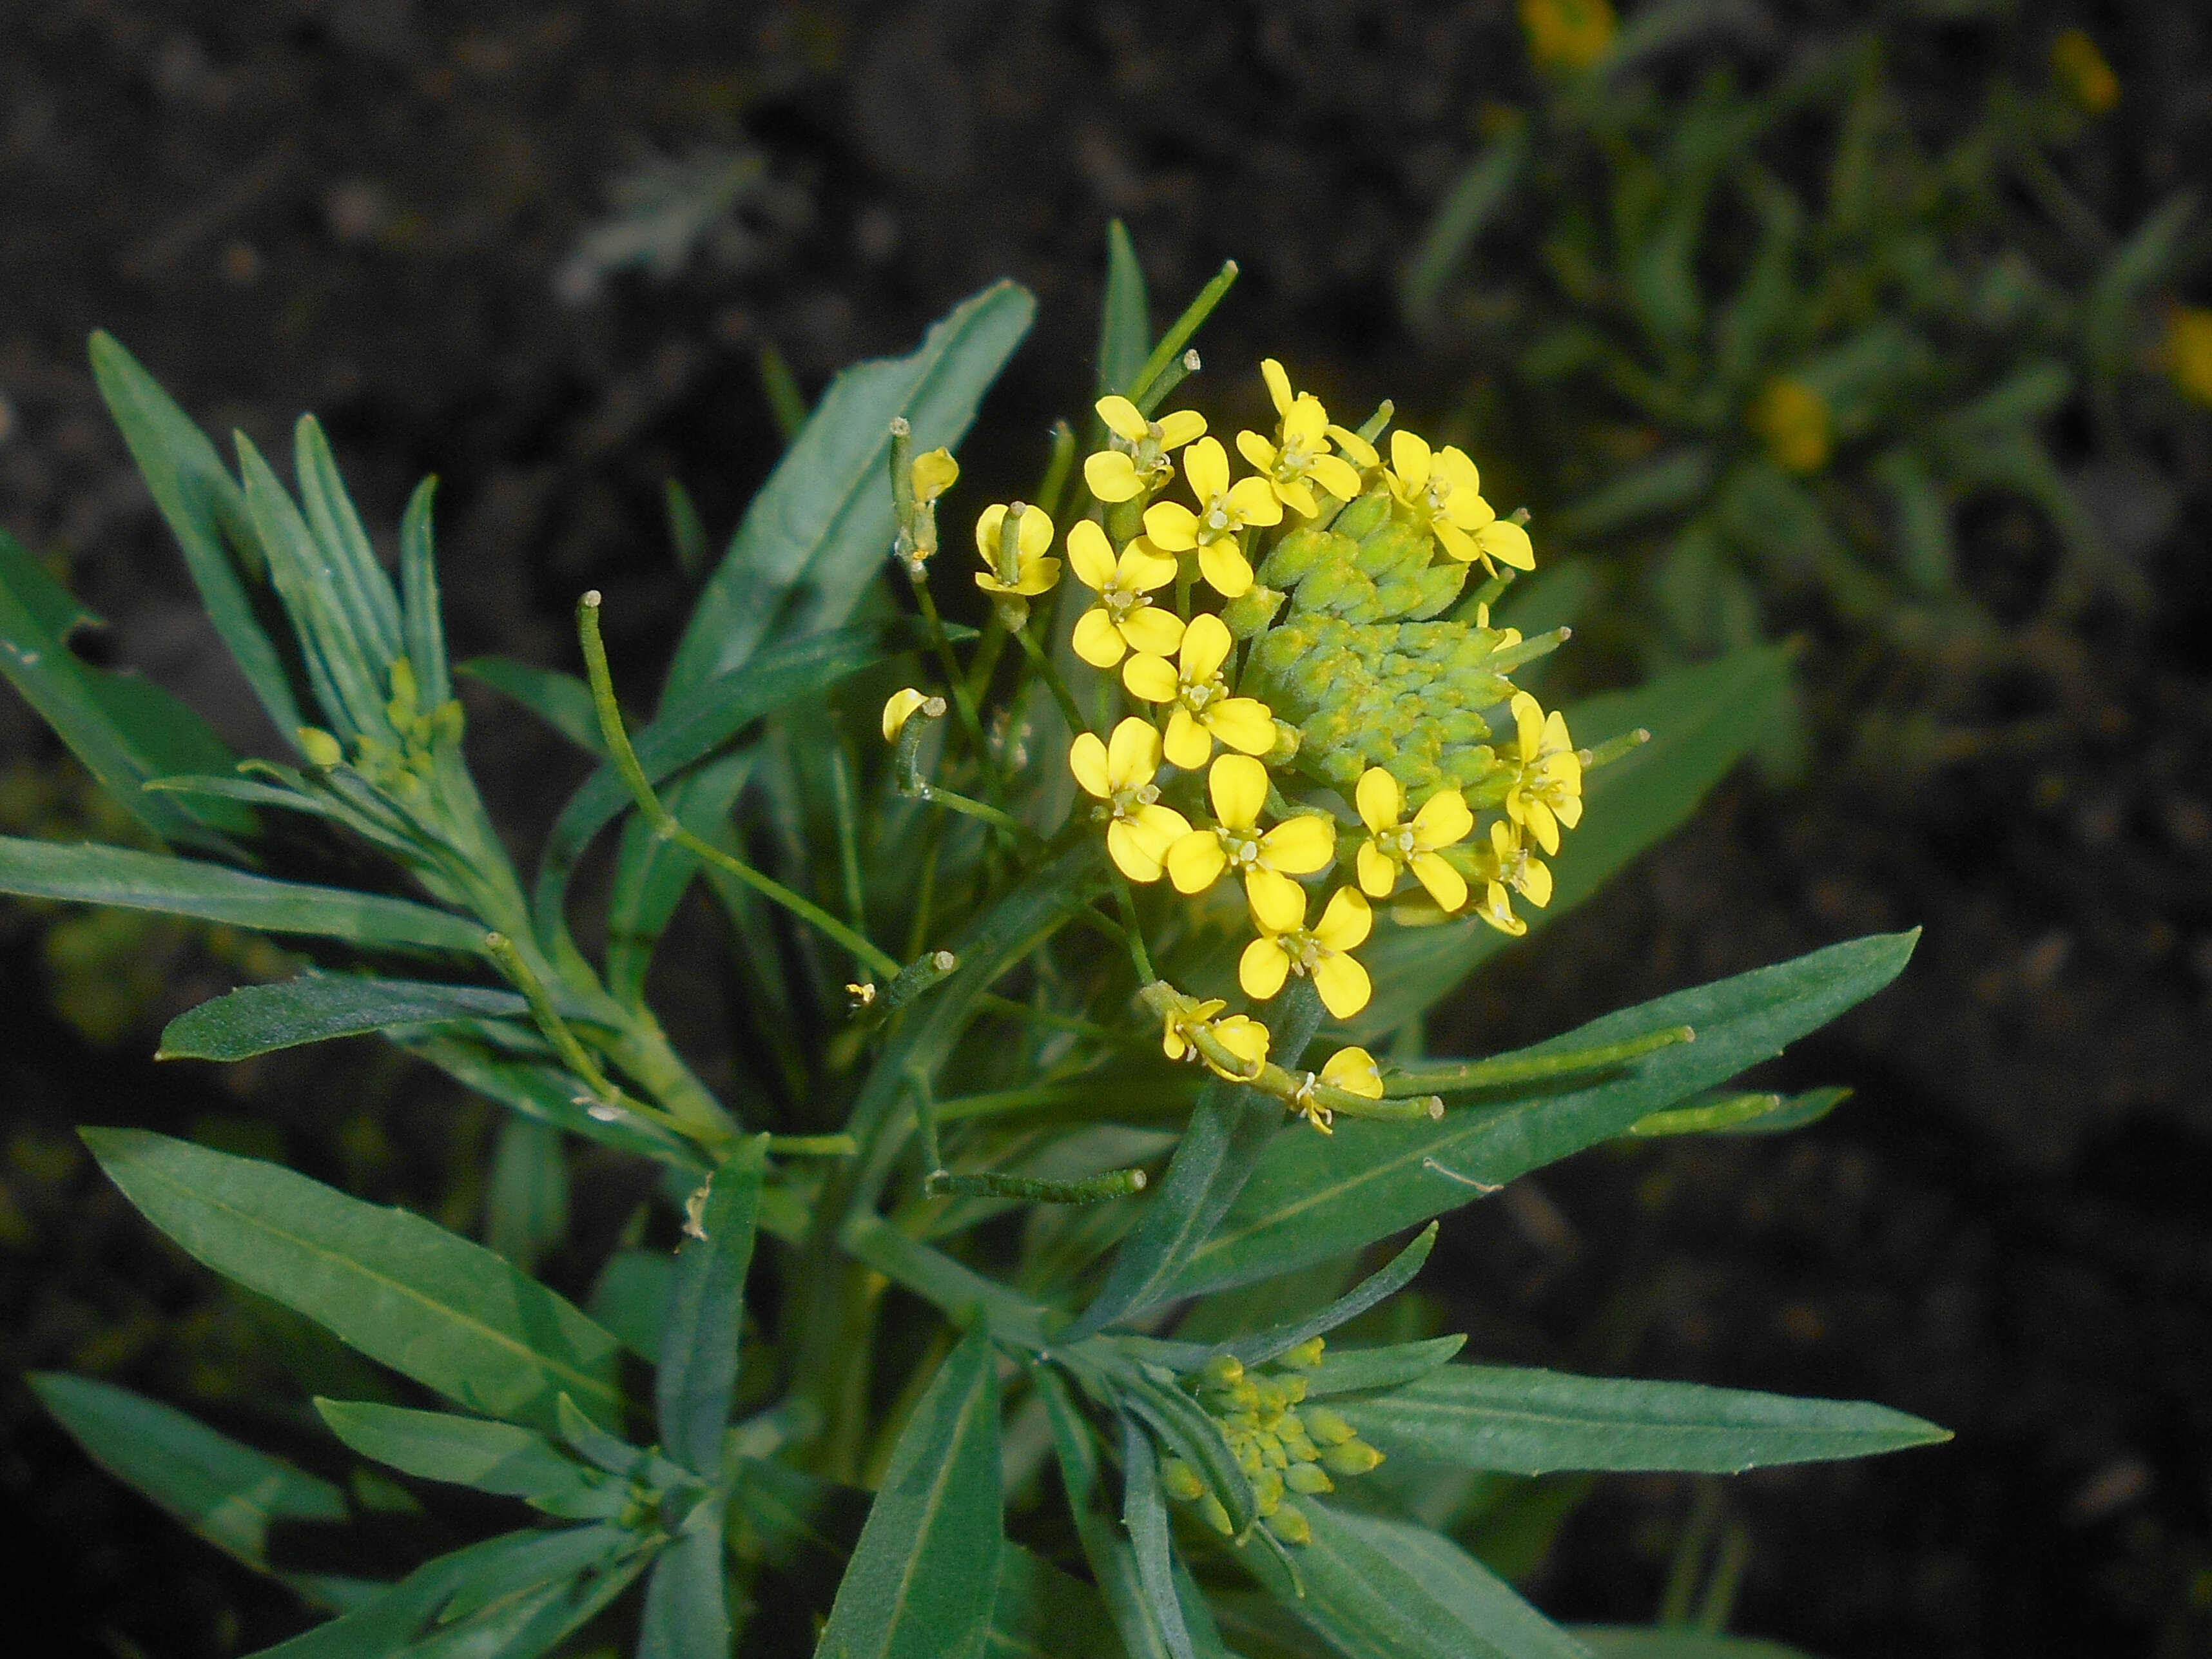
1874	327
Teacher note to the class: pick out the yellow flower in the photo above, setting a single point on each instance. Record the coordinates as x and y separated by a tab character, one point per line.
2081	70
1299	846
1793	420
1392	846
1353	1070
1244	1038
1036	573
900	706
2188	352
1123	620
1224	512
1548	793
1497	909
1512	865
1286	946
1441	489
1299	459
1138	463
1119	773
933	473
1204	710
1570	34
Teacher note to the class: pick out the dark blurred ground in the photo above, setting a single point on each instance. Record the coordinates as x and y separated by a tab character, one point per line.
366	208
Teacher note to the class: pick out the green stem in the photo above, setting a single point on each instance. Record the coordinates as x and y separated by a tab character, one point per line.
1526	1068
962	698
979	810
1139	958
1172	343
812	1145
848	834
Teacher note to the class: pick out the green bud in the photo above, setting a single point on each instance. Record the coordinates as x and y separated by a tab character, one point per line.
1440	586
1251	611
1336	588
1181	1480
406	699
1301	553
1326	1427
1394	549
1268	1490
1308	1478
1216	1517
1365	515
1306	1355
1353	1458
1222	1370
1289	1524
320	749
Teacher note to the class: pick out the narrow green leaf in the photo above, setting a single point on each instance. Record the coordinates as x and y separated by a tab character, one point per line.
1106	1547
562	700
1472	201
819	529
706	1313
1314	1197
1348	1371
418	588
1647	1642
687	532
925	1572
630	1298
468	1451
1125	320
538	1089
446	1312
2136	267
92	874
526	1197
1702	721
1387	1589
1533	1422
226	1493
1145	1518
364	592
125	730
786	402
1263	1346
206	512
256	1019
687	1614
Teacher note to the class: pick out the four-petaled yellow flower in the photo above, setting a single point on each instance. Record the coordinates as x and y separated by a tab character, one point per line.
1441	489
1392	846
1287	946
1124	619
1514	866
1036	573
1138	463
1301	845
1119	773
1300	458
1243	1036
1204	709
1549	791
1224	512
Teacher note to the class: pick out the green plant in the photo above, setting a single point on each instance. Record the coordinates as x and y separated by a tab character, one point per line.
949	1216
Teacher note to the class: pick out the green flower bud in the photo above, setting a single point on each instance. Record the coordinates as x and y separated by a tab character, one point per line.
1268	1490
1251	611
1353	1458
1327	1427
1223	1371
1306	1355
1301	553
1440	586
1362	516
320	749
1308	1478
1394	549
1289	1524
1181	1480
1216	1517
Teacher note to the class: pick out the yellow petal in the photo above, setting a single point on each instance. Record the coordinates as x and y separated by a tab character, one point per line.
1238	788
1346	922
1143	566
1123	418
1252	501
1262	968
1378	873
1298	493
1508	544
1035	532
1338	476
1151	679
1205	645
1569	811
1279	903
1097	640
898	708
1132	754
1379	799
1195	862
1153	630
1187	743
1159	828
1497	909
1112	476
1131	853
1278	384
933	473
1304	421
1528	725
1038	575
1353	1070
1455	541
1536	883
1442	821
1556	740
1205	463
1224	567
1459	471
1410	458
1180	426
1242	723
1467	511
1300	845
1444	884
1089	554
1344	986
987	532
1171	526
1542	826
1087	758
1362	454
1256	449
1244	1038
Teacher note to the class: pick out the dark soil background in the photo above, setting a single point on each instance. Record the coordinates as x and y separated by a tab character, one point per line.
366	208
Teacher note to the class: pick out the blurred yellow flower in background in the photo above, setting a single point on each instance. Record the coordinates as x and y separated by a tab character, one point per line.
1569	34
2187	351
1793	421
2083	73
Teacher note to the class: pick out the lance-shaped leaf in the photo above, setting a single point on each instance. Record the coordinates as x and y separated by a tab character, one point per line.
1702	721
821	526
687	1614
448	1313
1387	1589
92	874
1349	1370
504	1458
125	730
543	1091
1106	1547
706	1312
424	620
1125	321
926	1570
1263	1346
227	1493
1314	1197
1650	1642
1534	1422
1145	1518
256	1019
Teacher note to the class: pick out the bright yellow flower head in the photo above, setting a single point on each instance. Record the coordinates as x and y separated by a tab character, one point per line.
1204	710
1286	946
1442	489
2081	71
933	473
1301	845
1244	1038
1120	773
1392	846
1224	512
1124	619
900	706
1570	34
1037	573
1548	793
1793	420
2188	352
1299	458
1138	463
